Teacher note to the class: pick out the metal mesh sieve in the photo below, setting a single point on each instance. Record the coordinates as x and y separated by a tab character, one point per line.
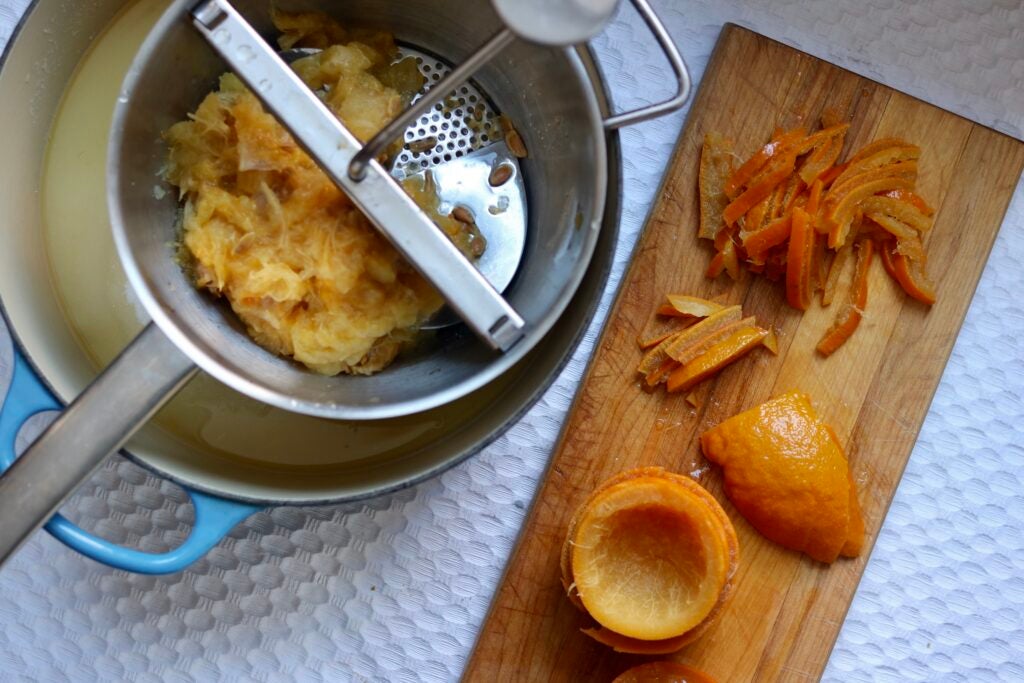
463	122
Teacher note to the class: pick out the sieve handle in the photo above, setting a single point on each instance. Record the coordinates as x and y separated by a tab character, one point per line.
333	147
97	423
675	60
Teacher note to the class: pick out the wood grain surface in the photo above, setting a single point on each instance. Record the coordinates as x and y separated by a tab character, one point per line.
875	391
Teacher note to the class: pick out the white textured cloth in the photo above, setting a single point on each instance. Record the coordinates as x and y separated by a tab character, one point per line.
396	588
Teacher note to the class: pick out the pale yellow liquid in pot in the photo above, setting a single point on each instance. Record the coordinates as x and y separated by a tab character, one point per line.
104	314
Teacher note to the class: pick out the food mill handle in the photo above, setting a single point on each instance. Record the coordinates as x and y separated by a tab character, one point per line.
96	424
333	147
675	60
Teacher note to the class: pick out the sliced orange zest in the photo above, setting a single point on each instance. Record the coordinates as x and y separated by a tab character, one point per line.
850	317
825	135
654	340
819	266
839	216
794	186
824	155
912	198
799	262
731	260
701	345
828	177
912	248
758	214
913	279
845	184
693	306
814	197
773	234
881	145
893	226
653	358
650	556
705	328
714	359
715	168
663	672
903	210
760	159
716	266
763	186
885	252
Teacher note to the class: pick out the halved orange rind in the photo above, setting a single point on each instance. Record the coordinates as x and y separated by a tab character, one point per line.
663	672
650	557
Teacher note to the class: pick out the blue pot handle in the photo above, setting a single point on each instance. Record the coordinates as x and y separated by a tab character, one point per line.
214	517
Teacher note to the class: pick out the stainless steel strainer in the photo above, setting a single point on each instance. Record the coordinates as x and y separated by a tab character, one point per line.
548	92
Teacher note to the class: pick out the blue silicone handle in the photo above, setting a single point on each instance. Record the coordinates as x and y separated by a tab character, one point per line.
214	516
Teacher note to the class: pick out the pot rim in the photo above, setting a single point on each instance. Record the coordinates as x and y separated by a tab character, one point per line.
609	225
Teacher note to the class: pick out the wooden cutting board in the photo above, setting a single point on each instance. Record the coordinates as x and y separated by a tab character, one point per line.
787	609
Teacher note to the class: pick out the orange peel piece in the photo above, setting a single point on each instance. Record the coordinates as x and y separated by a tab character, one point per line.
850	317
713	323
743	175
693	305
650	556
800	260
715	169
722	354
786	473
663	672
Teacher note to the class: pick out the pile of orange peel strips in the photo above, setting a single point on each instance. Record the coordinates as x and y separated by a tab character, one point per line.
703	337
791	205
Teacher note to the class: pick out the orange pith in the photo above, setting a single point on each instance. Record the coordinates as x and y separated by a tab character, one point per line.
663	672
787	475
650	556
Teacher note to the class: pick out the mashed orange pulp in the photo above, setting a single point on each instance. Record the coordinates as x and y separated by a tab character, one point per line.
265	228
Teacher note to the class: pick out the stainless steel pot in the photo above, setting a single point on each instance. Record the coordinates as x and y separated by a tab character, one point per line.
570	174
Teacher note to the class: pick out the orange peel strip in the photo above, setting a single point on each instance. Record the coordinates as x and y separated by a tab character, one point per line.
902	210
912	198
700	346
764	184
895	227
799	261
706	327
714	359
850	317
834	273
693	306
839	217
715	168
884	152
773	234
760	159
913	279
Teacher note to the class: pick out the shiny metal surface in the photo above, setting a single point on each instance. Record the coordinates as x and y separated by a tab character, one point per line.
363	159
96	424
675	60
555	22
376	193
499	212
565	178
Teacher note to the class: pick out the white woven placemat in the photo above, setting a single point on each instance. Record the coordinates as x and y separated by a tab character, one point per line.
395	589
